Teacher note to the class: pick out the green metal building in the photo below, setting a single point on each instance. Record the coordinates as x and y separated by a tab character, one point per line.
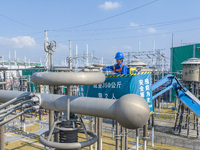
181	54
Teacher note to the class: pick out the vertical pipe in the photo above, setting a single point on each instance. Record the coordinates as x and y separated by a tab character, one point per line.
99	127
145	136
57	114
91	129
51	114
68	102
122	138
40	123
152	139
96	127
137	139
113	131
117	136
126	138
2	140
50	65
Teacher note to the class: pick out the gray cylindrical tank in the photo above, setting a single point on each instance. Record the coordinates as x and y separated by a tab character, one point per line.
131	110
191	70
68	78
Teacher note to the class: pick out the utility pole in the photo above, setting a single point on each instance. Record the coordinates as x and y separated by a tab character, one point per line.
139	50
76	59
154	53
87	61
70	56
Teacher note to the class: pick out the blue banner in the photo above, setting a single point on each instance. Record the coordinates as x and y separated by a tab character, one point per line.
116	86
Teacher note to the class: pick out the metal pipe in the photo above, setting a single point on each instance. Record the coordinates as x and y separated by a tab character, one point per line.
68	78
152	126
145	128
13	117
2	140
51	115
91	129
99	127
96	122
131	110
117	136
14	106
68	102
126	138
122	138
137	139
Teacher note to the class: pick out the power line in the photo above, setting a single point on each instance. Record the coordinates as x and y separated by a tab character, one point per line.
160	24
138	36
97	21
139	26
18	22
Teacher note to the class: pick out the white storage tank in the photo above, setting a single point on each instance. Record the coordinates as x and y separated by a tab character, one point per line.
191	70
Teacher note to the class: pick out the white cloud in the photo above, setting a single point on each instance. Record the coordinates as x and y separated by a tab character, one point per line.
133	24
18	42
110	5
151	30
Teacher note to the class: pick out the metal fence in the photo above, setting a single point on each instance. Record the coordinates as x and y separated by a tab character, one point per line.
163	139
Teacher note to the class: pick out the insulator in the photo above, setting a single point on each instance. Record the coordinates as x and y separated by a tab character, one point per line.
68	136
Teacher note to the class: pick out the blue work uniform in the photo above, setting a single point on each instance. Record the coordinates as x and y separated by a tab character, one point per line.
116	69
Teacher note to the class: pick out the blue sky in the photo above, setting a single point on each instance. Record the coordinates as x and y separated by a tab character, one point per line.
106	26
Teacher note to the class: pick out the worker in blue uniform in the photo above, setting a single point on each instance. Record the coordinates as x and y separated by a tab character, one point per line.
119	68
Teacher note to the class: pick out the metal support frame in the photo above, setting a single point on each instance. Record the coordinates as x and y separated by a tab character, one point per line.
68	102
96	131
181	119
117	136
57	114
126	138
2	130
2	138
137	138
99	133
91	129
51	114
122	138
145	130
